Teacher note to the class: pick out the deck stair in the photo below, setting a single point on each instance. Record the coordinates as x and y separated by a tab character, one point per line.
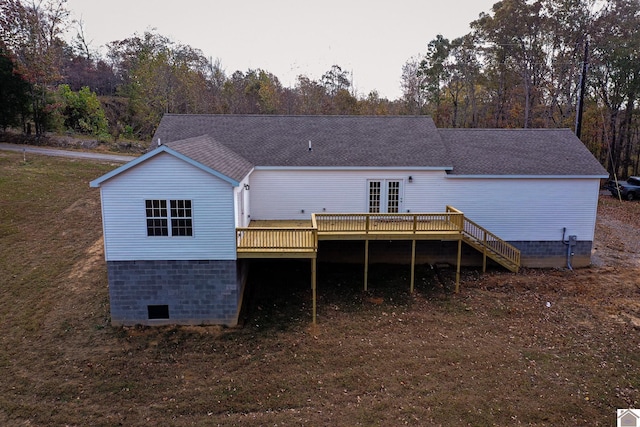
490	245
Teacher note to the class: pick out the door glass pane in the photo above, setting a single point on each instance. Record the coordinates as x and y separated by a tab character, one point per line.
393	196
374	196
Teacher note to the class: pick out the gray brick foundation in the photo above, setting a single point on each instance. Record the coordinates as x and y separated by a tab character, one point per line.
196	292
539	254
553	254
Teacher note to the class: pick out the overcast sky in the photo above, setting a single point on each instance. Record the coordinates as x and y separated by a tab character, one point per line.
372	39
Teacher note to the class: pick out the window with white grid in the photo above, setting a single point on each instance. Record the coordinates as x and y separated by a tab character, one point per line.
375	192
177	220
393	196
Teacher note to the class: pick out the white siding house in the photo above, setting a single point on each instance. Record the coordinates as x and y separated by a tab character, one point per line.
124	220
533	188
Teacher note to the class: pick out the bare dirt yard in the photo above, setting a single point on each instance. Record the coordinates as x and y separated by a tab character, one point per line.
537	348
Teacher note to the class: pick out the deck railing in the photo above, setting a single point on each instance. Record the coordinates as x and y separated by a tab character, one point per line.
387	223
276	239
302	241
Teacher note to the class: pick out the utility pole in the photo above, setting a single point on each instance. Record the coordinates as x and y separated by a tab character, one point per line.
583	84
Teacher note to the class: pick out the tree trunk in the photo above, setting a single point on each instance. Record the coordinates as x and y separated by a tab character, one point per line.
613	143
626	136
527	100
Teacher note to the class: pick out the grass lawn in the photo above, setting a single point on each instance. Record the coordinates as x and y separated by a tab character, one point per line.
542	347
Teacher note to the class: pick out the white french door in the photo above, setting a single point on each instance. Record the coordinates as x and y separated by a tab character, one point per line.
385	195
240	208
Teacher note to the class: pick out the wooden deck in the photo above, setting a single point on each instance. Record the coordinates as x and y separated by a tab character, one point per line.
299	238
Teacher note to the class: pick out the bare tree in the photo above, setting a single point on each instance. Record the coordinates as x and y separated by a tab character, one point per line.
412	83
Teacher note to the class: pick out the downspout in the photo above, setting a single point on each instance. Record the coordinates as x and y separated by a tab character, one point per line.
570	244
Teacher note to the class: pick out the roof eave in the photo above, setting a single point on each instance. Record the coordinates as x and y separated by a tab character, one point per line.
96	183
354	168
480	176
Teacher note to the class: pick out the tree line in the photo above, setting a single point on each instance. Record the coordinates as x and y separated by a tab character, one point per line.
530	64
55	85
525	64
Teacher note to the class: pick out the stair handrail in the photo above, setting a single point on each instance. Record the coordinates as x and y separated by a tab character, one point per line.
488	240
491	241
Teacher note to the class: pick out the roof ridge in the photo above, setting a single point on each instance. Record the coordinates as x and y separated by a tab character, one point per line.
323	116
501	129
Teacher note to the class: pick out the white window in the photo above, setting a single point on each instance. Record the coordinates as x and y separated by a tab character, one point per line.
385	195
175	221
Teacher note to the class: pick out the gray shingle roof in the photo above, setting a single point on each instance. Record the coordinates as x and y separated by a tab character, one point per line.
337	141
540	152
209	152
233	144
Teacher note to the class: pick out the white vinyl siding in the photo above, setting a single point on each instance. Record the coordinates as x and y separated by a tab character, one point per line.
513	208
285	194
530	209
165	177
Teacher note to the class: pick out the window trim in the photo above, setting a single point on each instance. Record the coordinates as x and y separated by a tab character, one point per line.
171	223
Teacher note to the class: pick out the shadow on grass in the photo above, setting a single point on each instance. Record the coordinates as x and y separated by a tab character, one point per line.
279	298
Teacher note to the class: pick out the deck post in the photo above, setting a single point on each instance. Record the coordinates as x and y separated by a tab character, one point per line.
413	265
484	252
458	265
313	287
366	264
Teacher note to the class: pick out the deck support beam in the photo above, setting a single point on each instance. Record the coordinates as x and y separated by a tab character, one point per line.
366	264
484	253
413	265
313	288
458	265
